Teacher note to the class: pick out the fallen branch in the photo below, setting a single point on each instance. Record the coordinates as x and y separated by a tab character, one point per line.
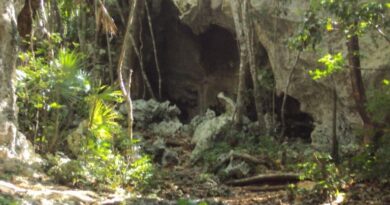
266	178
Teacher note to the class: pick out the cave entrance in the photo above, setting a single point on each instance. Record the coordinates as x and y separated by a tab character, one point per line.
219	50
219	58
298	124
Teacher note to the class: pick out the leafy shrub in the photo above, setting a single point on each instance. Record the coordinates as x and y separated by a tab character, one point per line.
49	92
99	163
373	163
325	174
7	200
141	173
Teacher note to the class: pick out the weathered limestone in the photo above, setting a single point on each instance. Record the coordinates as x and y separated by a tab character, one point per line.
13	145
155	117
315	97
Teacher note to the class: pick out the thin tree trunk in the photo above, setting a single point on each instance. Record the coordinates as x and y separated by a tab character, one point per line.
138	53
109	55
154	49
358	90
247	27
56	24
285	94
335	142
238	116
125	84
81	32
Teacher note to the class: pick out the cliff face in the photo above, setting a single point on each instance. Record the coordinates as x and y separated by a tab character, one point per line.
200	59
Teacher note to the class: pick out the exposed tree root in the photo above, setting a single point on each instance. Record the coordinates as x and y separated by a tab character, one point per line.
266	178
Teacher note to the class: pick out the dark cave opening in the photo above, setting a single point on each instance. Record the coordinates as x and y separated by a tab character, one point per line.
220	60
298	124
219	50
195	68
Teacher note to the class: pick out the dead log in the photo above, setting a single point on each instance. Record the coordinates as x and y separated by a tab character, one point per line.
266	178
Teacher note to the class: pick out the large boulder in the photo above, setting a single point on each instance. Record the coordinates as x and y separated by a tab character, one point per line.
207	130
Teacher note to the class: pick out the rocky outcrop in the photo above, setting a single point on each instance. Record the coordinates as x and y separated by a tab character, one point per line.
154	117
208	126
13	145
272	32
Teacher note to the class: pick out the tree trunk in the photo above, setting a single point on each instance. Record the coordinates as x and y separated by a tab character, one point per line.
13	145
236	8
335	142
125	83
247	27
358	90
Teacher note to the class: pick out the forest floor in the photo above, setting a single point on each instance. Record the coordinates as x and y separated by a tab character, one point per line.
182	181
188	181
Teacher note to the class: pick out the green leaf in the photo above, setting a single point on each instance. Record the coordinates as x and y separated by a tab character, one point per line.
329	26
386	82
55	105
332	63
38	105
388	5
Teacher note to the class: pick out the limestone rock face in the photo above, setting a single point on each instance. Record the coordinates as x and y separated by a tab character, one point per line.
272	32
13	145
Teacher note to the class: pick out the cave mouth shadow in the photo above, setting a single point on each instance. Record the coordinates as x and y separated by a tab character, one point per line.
218	50
299	125
219	61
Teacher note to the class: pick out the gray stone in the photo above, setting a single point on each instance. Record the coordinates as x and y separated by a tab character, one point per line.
165	128
77	138
159	118
236	169
13	145
206	132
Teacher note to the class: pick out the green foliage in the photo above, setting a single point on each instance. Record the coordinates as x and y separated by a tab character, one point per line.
378	103
310	34
99	163
102	115
332	63
141	173
190	202
324	173
266	79
270	147
211	155
69	13
48	91
8	200
353	17
373	163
